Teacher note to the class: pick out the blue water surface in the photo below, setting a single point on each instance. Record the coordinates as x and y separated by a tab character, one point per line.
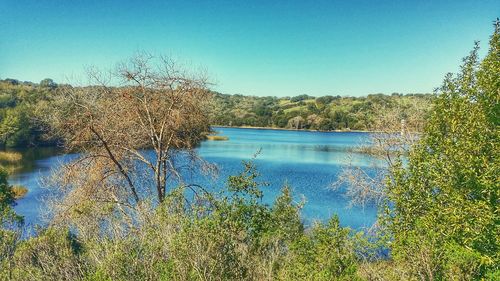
308	162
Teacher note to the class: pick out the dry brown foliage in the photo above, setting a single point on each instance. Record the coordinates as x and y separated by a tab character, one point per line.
133	138
395	130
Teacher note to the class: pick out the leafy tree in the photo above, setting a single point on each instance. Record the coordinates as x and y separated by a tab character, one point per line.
443	209
300	98
48	83
9	223
7	215
15	128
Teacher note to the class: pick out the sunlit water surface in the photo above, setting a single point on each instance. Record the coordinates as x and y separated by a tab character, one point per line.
309	162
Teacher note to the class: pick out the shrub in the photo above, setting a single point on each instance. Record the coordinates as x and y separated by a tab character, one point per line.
326	253
54	254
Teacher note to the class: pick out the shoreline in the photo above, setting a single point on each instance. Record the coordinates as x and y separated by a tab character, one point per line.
286	129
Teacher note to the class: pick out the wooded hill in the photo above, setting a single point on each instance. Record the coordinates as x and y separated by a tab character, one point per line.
315	113
22	103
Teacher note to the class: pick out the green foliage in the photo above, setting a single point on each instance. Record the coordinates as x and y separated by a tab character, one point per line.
10	223
322	113
53	255
8	218
230	235
326	253
48	83
20	106
23	103
6	194
15	127
444	201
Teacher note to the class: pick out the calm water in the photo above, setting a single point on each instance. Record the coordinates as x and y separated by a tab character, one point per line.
309	162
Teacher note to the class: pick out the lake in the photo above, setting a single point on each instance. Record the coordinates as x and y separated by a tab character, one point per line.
309	162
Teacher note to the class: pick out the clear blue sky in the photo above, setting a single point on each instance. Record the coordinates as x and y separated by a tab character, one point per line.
252	47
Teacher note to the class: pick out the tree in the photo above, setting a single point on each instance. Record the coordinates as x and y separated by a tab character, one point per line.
10	223
158	107
15	128
296	122
300	98
48	83
435	176
443	204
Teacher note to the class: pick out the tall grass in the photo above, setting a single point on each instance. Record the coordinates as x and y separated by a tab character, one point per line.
10	157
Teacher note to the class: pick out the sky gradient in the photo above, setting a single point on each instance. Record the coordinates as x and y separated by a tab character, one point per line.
279	48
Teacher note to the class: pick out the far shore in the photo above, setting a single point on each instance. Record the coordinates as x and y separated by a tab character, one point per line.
287	129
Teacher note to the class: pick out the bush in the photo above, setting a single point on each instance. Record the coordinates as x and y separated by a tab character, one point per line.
326	253
54	254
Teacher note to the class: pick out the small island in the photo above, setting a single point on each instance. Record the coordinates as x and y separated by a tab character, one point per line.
217	138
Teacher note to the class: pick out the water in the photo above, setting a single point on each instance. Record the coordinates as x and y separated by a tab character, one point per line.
309	162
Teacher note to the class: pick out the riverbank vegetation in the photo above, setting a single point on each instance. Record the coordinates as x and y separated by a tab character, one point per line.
217	138
19	191
23	104
10	157
117	213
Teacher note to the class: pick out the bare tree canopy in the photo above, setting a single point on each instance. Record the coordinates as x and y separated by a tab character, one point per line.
396	130
157	106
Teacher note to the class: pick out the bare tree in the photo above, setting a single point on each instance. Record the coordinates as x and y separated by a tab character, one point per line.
394	130
133	138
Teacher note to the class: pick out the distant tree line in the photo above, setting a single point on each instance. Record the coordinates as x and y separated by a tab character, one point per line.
22	105
315	113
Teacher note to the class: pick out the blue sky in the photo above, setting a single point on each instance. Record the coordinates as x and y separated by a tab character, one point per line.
281	48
